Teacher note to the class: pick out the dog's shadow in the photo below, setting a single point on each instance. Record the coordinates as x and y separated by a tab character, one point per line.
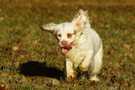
34	68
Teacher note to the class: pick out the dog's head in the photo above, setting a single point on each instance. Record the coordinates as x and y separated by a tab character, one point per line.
66	32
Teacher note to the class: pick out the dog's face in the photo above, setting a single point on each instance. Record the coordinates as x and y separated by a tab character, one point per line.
66	32
66	36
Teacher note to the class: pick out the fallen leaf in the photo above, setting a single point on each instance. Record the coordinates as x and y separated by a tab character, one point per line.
15	48
94	83
2	87
56	82
126	46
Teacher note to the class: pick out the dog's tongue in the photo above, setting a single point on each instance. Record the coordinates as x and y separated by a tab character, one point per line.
67	48
64	51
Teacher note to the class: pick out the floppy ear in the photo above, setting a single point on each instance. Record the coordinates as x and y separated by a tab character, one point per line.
81	20
51	27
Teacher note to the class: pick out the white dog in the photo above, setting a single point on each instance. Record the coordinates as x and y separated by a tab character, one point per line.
81	45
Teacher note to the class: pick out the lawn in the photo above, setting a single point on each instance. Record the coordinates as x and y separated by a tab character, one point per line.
31	59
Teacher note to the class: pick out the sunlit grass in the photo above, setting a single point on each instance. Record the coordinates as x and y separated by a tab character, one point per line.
23	46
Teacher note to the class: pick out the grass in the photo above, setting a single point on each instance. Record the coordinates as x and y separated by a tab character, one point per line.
31	59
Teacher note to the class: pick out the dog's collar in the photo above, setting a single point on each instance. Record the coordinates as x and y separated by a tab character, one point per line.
78	36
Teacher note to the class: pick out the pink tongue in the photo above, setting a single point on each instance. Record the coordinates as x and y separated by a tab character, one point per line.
67	48
64	51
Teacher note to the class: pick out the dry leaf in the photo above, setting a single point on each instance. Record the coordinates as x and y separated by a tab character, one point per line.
15	48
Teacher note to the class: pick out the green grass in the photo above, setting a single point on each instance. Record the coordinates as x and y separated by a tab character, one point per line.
31	59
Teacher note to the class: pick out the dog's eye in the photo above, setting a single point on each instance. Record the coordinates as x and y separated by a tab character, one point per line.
69	35
58	35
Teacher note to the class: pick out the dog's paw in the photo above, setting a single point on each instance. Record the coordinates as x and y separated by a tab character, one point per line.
70	79
94	78
82	68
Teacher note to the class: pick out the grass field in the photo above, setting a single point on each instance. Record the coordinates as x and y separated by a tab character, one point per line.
31	59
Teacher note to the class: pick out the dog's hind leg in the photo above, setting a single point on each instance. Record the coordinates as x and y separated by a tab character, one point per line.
96	65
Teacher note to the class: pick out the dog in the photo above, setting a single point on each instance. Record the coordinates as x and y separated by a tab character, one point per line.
80	44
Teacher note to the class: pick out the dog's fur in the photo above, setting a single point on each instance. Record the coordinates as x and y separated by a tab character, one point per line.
81	45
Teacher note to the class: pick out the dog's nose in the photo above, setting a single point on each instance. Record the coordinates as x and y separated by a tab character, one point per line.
64	43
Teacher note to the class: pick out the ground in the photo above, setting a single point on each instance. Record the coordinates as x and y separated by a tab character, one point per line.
32	59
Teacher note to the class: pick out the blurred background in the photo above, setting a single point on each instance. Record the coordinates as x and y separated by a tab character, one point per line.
31	59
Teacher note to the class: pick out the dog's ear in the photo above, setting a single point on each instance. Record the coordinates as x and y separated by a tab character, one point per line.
81	20
51	27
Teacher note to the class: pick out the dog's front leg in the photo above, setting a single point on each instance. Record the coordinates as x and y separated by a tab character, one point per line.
70	71
84	66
